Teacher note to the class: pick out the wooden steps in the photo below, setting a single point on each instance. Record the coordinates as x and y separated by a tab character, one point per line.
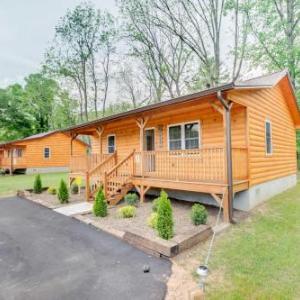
116	197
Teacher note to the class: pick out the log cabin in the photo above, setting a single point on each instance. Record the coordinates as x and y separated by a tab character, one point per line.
233	145
40	153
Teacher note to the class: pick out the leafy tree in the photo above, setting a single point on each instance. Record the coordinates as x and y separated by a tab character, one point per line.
63	192
40	93
100	205
37	185
276	29
15	118
165	221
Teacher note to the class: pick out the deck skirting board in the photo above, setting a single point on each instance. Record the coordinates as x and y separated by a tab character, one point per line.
36	170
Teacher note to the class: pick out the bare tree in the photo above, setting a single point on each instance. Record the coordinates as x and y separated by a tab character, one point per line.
133	85
161	52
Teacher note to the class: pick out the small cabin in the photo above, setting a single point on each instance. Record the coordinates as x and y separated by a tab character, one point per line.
233	145
40	153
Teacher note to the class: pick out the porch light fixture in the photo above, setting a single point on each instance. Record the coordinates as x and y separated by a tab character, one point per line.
202	271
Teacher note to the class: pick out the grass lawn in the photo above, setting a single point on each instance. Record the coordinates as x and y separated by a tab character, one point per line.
11	184
258	258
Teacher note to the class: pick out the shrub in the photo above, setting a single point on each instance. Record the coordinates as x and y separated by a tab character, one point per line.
63	193
100	205
74	188
131	199
52	190
37	185
165	222
198	214
152	220
127	211
155	204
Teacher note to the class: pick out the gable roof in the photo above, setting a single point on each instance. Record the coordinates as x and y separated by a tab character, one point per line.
36	136
265	81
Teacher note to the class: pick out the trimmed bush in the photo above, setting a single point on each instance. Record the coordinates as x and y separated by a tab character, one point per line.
198	214
37	185
165	221
63	193
100	205
155	204
74	188
131	199
52	190
127	211
152	220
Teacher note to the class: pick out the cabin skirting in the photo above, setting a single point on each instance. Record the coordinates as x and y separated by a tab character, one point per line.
246	200
46	170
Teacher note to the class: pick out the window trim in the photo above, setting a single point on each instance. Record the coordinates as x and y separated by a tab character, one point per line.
183	134
271	138
115	145
50	152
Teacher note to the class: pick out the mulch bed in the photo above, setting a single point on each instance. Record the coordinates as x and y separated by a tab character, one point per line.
51	201
136	231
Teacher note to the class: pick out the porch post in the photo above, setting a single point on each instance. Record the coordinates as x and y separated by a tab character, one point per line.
227	105
73	137
100	132
142	123
11	151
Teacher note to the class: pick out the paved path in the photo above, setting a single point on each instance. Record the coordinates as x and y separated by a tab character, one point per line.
73	209
45	255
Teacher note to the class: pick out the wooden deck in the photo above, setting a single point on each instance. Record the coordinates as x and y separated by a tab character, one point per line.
200	170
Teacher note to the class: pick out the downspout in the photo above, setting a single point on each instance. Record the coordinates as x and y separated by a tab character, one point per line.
227	104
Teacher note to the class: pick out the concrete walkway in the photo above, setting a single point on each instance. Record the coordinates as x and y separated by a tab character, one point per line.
46	255
74	209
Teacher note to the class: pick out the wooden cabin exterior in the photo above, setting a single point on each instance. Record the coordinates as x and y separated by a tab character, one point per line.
235	143
40	153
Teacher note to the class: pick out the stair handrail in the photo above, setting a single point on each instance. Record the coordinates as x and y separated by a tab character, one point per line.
120	163
102	163
108	174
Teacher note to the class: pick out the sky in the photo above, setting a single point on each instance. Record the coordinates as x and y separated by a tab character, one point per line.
26	30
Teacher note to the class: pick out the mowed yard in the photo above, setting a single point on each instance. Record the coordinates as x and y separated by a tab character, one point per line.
258	258
11	184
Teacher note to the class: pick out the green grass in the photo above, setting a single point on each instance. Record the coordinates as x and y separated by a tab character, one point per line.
11	184
260	258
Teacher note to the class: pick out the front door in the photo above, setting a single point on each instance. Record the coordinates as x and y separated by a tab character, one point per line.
149	148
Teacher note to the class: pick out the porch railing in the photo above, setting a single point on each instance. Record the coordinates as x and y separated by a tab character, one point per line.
84	163
207	164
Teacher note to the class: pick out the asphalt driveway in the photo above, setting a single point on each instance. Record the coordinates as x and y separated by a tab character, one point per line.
45	255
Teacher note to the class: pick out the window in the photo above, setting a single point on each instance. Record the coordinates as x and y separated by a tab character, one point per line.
111	144
268	136
184	136
47	152
18	152
175	137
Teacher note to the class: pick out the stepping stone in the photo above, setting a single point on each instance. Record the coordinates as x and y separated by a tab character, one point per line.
74	209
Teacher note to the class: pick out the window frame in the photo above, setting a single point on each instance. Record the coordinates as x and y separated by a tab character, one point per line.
49	152
268	121
115	143
182	132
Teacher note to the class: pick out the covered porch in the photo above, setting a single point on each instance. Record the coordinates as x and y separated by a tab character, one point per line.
198	146
12	158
